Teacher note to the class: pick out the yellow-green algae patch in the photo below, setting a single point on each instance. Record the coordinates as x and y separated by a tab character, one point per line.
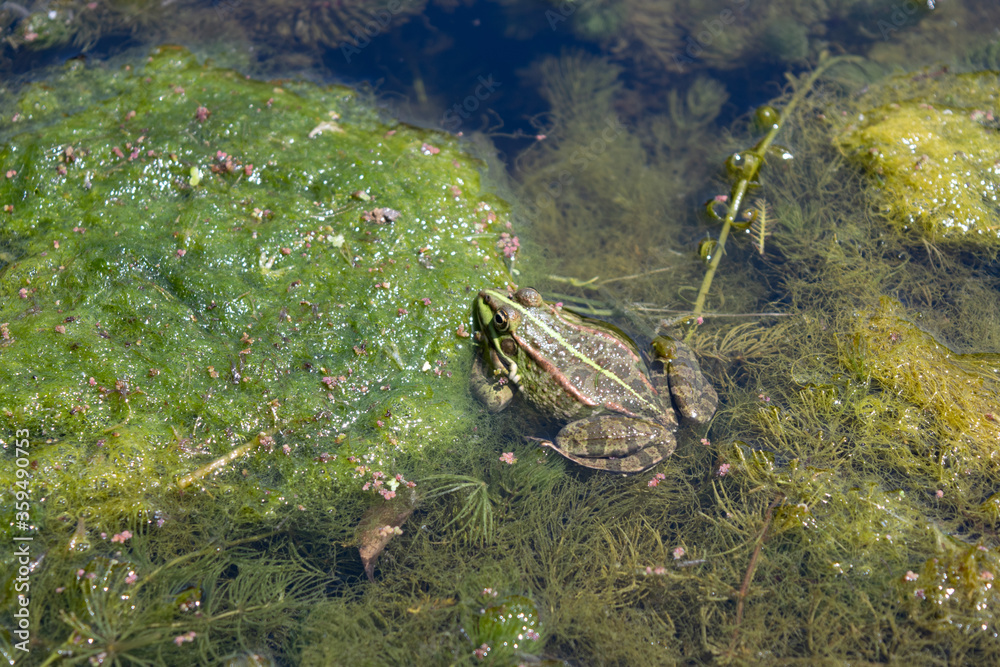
190	262
852	463
959	393
931	144
954	589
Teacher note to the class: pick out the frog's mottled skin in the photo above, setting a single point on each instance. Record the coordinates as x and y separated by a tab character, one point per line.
617	413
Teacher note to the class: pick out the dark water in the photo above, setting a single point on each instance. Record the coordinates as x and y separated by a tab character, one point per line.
462	68
467	66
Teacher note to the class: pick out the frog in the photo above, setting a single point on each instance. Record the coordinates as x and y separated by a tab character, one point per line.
616	412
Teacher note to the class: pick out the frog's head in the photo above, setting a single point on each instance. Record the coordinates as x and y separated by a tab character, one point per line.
497	316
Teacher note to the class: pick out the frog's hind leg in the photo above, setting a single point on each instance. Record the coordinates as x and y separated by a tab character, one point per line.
604	436
676	365
642	460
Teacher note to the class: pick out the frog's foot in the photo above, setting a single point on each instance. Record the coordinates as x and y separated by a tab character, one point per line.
494	394
604	436
642	460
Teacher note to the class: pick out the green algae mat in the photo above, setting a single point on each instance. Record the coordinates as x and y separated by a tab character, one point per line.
224	302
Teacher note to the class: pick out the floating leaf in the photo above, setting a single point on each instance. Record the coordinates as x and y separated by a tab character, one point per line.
706	249
380	524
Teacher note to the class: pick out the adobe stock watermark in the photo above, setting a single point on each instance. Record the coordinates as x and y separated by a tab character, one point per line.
581	157
903	14
563	11
453	117
23	529
711	30
223	8
362	35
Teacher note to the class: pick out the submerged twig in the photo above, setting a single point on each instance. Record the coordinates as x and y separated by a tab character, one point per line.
221	462
744	591
596	282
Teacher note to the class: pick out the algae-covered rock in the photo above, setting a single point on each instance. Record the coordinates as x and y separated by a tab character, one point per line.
198	248
931	145
955	588
507	628
195	265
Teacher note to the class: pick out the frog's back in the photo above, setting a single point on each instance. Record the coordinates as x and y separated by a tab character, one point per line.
592	369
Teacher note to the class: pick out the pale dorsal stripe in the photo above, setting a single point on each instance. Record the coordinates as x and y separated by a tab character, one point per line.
575	352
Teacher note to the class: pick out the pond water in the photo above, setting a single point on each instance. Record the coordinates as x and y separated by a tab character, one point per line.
338	497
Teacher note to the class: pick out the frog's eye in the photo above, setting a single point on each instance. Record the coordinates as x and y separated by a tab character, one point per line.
528	296
506	319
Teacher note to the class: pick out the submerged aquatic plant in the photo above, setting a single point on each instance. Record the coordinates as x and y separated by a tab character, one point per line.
744	167
474	516
759	230
984	56
507	628
103	614
347	25
604	186
198	607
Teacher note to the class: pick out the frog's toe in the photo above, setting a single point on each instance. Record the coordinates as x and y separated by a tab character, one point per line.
642	460
493	394
675	364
